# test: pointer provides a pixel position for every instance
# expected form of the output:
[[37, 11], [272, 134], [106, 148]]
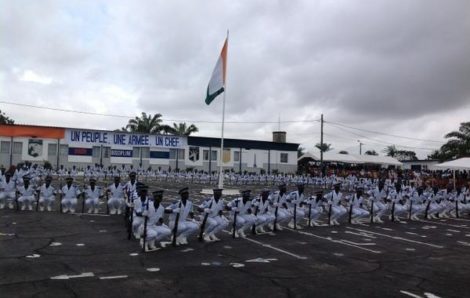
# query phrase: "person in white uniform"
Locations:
[[186, 226], [334, 200], [27, 194], [358, 211], [314, 208], [157, 230], [281, 212], [46, 195], [116, 201], [377, 199], [7, 191], [92, 196], [244, 217], [69, 192], [295, 200], [262, 211], [215, 221]]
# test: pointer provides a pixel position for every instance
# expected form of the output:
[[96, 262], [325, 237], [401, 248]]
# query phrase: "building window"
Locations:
[[145, 152], [64, 150], [96, 152], [17, 147], [284, 158], [52, 150], [106, 152], [173, 153], [136, 152], [5, 147], [214, 155], [205, 154], [236, 156]]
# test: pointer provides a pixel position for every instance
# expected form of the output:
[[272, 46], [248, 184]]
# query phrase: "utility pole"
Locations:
[[321, 143], [360, 147]]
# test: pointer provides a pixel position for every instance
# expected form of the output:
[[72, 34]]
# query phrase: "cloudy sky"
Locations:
[[401, 68]]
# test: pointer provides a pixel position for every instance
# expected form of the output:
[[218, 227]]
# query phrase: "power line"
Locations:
[[385, 134], [163, 119], [382, 142]]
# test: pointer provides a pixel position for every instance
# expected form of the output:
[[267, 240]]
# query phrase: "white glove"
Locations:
[[255, 203], [145, 213], [176, 210], [235, 209], [207, 210], [276, 204]]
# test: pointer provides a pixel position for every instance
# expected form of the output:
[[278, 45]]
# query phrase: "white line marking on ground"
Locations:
[[237, 265], [430, 295], [113, 277], [102, 231], [80, 244], [33, 256], [133, 254], [260, 260], [361, 234], [91, 214], [449, 234], [386, 229], [55, 244], [187, 249], [398, 238], [64, 276], [410, 249], [445, 224], [153, 269], [464, 243], [359, 244], [7, 234], [410, 294], [412, 233], [453, 231], [335, 241], [272, 247], [338, 254]]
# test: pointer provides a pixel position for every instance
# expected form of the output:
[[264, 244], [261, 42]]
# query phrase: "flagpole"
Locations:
[[221, 170]]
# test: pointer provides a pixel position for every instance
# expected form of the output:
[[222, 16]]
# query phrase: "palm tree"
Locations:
[[371, 152], [391, 150], [324, 147], [181, 129], [343, 152], [459, 143], [300, 151], [145, 124]]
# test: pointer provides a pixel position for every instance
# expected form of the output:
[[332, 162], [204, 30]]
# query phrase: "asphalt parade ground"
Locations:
[[48, 254]]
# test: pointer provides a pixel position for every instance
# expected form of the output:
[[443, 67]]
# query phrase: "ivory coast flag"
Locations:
[[217, 83]]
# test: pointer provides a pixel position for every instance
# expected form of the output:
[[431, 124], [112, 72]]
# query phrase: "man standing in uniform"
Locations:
[[242, 207]]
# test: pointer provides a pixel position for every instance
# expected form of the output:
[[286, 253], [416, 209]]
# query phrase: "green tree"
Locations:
[[457, 146], [406, 155], [371, 152], [343, 152], [391, 150], [145, 124], [181, 129], [4, 119], [300, 151], [324, 147]]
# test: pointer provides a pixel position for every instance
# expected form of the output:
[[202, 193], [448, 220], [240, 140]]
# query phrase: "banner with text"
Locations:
[[112, 138]]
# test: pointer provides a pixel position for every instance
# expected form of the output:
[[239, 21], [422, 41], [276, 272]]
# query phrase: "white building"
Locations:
[[81, 147]]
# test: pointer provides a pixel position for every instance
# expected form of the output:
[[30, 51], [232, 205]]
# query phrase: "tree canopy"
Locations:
[[148, 123], [4, 119], [458, 144]]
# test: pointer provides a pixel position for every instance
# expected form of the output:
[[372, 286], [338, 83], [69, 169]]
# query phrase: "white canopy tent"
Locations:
[[354, 159], [458, 164], [455, 165]]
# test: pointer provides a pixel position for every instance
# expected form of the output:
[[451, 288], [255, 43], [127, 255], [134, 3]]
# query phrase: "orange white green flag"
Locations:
[[217, 82]]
